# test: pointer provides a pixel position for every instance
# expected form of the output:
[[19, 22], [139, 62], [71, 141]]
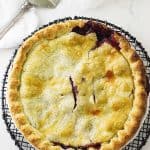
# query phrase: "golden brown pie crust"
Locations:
[[51, 32]]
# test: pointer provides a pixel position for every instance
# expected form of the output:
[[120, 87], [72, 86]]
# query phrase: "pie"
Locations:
[[77, 84]]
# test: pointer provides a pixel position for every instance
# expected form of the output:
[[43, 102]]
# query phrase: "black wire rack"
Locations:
[[144, 132]]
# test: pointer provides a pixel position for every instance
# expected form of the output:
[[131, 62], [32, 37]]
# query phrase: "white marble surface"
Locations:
[[132, 15]]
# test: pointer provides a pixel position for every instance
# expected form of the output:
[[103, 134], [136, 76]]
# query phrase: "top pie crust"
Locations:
[[66, 93]]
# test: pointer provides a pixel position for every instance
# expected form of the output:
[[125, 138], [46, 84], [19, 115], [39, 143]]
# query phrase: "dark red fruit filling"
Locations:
[[103, 34], [85, 147]]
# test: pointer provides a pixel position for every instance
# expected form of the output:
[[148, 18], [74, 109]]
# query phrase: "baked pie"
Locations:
[[77, 84]]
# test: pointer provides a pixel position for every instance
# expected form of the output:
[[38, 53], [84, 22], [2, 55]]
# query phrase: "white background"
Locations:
[[132, 15]]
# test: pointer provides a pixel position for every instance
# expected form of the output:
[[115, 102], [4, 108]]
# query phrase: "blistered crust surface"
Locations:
[[109, 86]]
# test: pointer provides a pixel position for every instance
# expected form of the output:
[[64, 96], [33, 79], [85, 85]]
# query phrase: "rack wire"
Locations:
[[144, 132]]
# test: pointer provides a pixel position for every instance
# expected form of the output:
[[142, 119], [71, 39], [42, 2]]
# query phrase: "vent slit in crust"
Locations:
[[74, 92]]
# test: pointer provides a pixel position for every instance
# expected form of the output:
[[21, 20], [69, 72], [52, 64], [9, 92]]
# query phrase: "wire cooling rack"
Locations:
[[144, 132]]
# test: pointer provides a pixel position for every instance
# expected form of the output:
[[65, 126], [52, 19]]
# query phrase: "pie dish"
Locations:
[[77, 84]]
